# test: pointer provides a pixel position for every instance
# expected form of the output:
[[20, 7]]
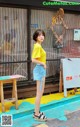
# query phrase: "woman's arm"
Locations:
[[38, 62]]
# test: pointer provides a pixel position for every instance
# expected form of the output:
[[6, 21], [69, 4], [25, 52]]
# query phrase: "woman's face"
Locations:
[[40, 38]]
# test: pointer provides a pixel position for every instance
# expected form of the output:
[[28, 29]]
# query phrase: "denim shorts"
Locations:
[[39, 72]]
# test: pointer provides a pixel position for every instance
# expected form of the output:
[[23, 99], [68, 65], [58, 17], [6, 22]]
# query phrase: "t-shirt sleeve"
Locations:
[[36, 52]]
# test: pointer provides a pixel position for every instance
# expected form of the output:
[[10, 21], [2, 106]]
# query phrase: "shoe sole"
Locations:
[[41, 120]]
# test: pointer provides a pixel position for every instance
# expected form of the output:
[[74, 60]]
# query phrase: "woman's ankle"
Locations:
[[36, 113]]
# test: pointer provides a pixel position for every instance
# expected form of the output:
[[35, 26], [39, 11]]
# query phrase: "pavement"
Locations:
[[73, 120], [61, 112]]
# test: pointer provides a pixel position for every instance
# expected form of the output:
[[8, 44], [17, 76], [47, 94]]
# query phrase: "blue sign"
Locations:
[[34, 25]]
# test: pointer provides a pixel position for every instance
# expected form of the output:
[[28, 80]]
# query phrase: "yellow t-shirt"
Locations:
[[39, 53]]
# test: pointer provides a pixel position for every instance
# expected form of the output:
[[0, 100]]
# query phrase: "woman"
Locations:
[[39, 71]]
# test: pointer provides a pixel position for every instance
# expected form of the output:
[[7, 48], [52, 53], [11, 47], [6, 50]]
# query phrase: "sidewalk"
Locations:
[[53, 105]]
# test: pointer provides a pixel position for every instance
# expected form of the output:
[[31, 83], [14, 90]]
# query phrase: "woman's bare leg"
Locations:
[[39, 93]]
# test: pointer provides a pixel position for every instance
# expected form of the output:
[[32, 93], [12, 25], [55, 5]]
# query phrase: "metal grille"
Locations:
[[42, 19], [13, 41], [71, 47]]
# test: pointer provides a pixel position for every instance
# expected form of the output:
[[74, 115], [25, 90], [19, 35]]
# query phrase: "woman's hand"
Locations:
[[44, 65]]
